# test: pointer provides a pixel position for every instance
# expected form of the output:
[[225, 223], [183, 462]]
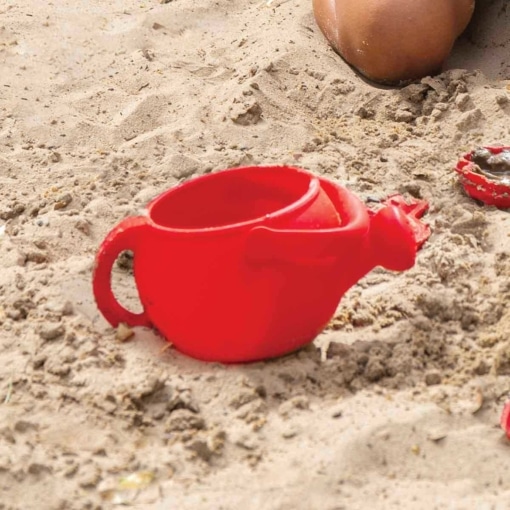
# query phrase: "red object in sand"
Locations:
[[251, 263], [505, 419], [478, 186], [413, 211]]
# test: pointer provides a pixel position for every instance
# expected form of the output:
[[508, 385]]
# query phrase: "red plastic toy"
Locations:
[[251, 263], [479, 187], [505, 419]]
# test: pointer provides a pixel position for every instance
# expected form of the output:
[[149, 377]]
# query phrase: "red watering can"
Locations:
[[251, 263]]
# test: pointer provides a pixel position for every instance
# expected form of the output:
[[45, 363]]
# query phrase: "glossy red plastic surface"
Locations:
[[480, 187], [413, 212], [505, 419], [253, 272]]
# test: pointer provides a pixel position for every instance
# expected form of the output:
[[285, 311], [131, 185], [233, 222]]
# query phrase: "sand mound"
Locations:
[[106, 104]]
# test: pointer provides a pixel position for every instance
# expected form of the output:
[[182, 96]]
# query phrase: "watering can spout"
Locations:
[[366, 239], [394, 236]]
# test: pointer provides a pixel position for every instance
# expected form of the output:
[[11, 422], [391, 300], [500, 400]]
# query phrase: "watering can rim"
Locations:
[[314, 188]]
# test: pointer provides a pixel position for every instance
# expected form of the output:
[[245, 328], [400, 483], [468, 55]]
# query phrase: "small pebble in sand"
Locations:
[[246, 441], [55, 157], [89, 476], [123, 332], [37, 469], [337, 412], [23, 426], [502, 99], [51, 330], [201, 448], [63, 201], [83, 226], [59, 307], [37, 257], [182, 419], [436, 435], [433, 377], [290, 432]]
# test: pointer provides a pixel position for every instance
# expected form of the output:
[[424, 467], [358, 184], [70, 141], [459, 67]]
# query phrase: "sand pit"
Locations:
[[396, 405], [485, 44]]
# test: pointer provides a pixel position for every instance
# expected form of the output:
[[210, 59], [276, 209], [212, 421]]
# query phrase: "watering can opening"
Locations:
[[238, 196]]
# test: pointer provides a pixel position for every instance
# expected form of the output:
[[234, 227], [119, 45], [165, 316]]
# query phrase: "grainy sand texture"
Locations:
[[104, 104]]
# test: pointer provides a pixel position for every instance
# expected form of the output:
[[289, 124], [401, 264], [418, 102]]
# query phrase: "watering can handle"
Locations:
[[123, 237]]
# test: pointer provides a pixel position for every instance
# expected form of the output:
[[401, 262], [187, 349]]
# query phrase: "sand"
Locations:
[[105, 104]]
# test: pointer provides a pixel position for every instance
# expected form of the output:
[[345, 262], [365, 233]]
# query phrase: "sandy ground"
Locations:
[[105, 104]]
